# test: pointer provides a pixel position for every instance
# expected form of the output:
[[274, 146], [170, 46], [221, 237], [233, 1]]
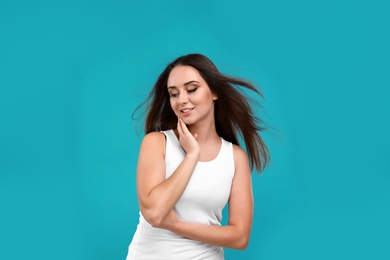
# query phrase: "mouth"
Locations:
[[186, 110]]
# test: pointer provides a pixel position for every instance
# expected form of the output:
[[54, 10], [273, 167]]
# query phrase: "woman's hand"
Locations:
[[187, 140]]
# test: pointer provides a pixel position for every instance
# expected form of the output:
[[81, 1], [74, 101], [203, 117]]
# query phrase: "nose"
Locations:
[[183, 98]]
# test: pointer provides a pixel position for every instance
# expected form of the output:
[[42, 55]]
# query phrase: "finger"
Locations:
[[184, 127], [179, 127], [178, 124]]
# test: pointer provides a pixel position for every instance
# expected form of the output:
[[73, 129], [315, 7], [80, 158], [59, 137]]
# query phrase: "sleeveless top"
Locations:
[[202, 201]]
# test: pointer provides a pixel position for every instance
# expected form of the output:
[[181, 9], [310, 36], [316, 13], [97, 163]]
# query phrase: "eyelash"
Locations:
[[188, 91]]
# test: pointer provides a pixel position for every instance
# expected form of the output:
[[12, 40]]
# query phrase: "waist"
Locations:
[[155, 243]]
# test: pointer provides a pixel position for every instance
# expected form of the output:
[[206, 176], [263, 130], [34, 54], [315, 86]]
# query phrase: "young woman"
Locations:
[[190, 164]]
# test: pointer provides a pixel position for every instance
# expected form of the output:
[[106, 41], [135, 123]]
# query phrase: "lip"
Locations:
[[186, 111]]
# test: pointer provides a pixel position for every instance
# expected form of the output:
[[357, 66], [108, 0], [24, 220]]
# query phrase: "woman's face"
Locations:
[[190, 96]]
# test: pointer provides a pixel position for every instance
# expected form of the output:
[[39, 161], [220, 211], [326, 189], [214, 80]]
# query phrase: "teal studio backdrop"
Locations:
[[72, 73]]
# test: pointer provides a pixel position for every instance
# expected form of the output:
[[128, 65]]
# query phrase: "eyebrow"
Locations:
[[185, 84]]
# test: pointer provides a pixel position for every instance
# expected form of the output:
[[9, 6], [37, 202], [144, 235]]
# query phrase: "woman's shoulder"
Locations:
[[154, 138], [239, 154], [238, 150]]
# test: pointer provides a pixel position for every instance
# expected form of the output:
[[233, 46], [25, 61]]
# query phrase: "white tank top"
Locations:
[[202, 201]]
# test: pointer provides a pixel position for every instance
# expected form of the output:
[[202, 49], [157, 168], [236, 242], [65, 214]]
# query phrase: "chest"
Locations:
[[210, 183]]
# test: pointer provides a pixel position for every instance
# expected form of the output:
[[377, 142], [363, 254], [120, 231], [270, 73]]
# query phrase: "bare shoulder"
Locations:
[[239, 154], [154, 137], [154, 141], [240, 159]]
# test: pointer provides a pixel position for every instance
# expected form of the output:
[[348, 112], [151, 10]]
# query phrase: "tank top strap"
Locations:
[[174, 153]]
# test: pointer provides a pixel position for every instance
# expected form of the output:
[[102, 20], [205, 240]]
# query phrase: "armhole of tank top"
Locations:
[[165, 134], [166, 143], [232, 156]]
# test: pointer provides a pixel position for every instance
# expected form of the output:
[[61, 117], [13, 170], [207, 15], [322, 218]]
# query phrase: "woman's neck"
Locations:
[[206, 133]]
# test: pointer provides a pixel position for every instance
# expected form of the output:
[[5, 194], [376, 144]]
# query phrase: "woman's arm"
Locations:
[[236, 233], [157, 196]]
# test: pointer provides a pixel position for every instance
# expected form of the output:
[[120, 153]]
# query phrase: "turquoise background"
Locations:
[[72, 72]]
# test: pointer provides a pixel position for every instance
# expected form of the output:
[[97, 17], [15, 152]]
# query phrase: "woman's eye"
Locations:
[[192, 90], [173, 94]]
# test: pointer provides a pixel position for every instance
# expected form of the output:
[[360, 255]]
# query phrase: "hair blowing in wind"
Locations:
[[234, 115]]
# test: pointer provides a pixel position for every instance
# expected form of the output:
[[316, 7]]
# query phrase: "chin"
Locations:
[[188, 121]]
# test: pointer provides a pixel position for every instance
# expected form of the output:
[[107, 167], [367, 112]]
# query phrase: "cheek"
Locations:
[[173, 105]]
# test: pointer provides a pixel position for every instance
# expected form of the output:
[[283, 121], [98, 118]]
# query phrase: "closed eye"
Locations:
[[192, 90]]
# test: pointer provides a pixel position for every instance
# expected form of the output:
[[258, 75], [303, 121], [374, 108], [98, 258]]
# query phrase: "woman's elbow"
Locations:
[[242, 242], [243, 245], [154, 221], [152, 217]]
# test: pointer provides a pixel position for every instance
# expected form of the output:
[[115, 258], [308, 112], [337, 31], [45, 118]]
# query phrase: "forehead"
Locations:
[[182, 74]]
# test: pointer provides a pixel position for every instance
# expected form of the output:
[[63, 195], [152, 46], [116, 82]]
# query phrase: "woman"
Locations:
[[190, 164]]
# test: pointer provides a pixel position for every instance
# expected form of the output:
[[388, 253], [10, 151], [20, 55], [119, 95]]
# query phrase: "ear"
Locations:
[[215, 97]]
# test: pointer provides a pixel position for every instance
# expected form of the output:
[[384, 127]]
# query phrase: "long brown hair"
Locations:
[[233, 114]]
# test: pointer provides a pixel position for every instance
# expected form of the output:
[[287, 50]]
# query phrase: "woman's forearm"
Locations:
[[224, 236], [165, 195]]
